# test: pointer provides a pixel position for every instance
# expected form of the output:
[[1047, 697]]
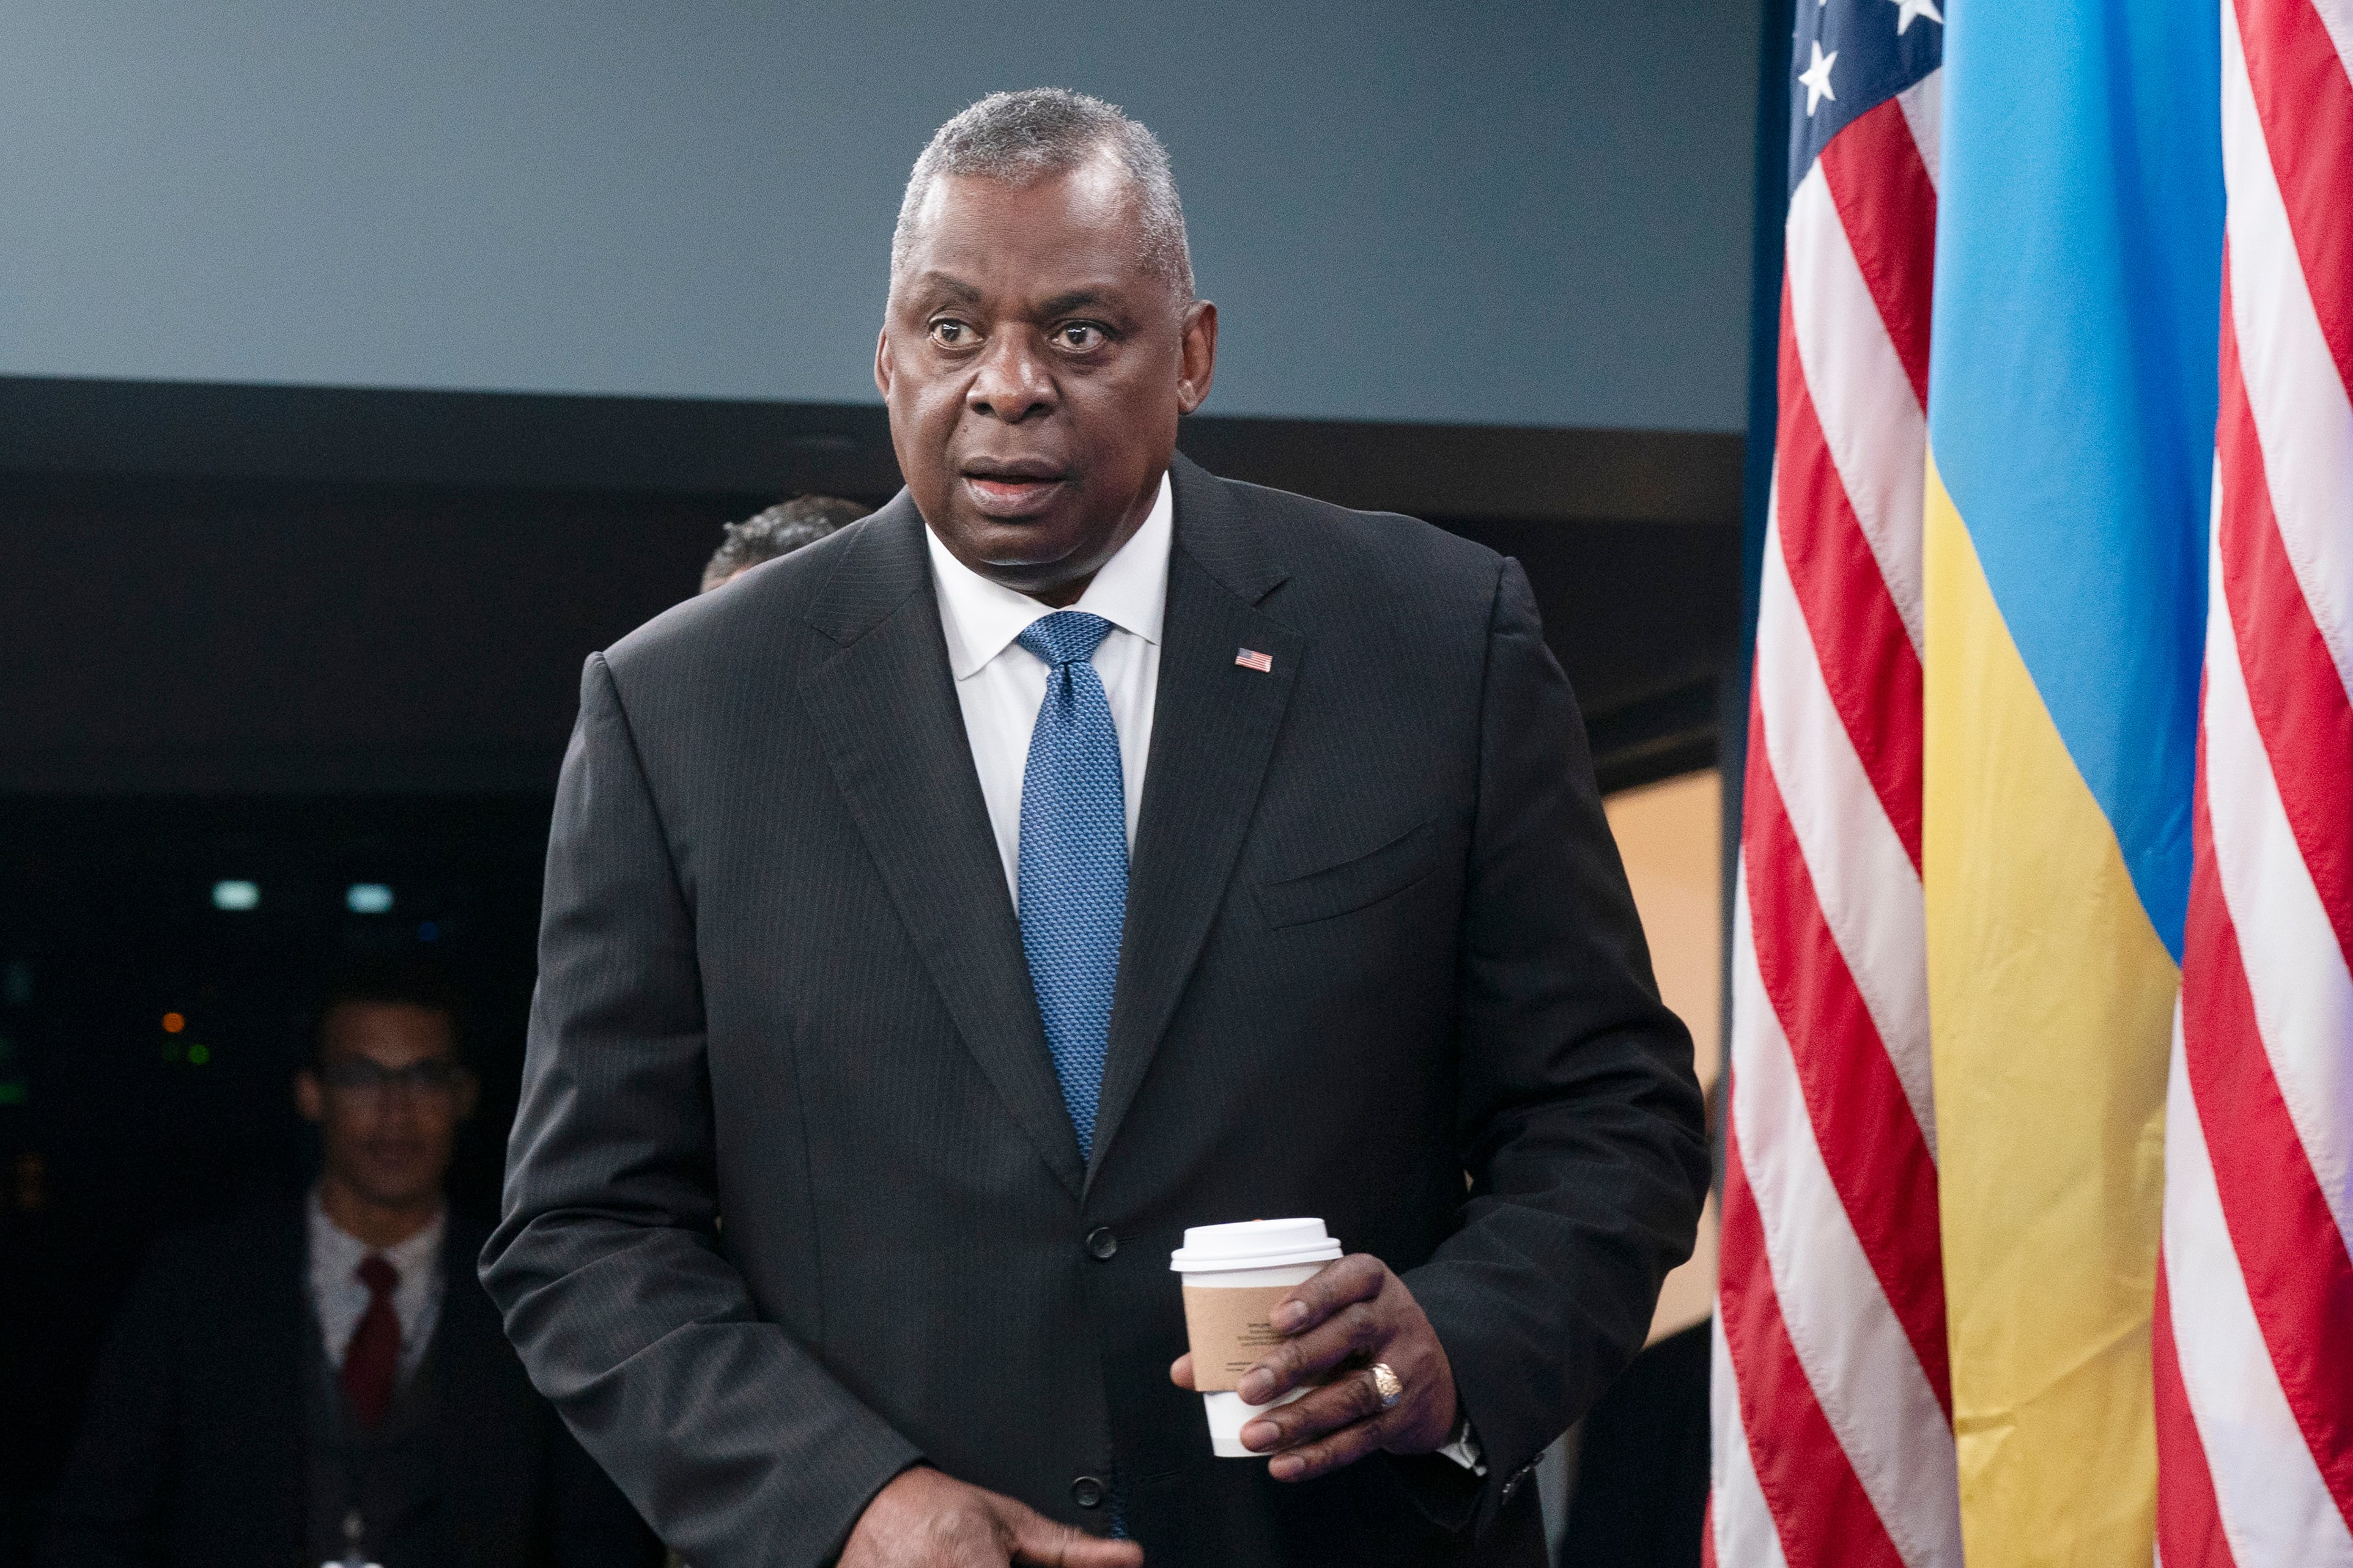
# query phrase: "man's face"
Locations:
[[387, 1094], [1035, 365]]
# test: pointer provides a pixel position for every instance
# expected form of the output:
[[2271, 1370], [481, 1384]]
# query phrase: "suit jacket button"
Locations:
[[1105, 1246], [1088, 1491]]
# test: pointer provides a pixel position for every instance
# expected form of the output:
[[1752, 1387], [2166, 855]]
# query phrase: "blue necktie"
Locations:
[[1073, 859]]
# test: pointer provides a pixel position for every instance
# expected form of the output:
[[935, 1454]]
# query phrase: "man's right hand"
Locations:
[[924, 1519]]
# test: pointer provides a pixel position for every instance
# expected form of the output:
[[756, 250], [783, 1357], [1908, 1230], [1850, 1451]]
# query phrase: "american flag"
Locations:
[[2254, 1331], [1833, 1424], [1251, 658]]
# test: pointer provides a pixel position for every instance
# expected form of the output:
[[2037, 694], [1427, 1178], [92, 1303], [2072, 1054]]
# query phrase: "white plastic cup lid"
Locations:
[[1253, 1244]]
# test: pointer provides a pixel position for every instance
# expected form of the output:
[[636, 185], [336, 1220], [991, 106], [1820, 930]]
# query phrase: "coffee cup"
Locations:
[[1233, 1275]]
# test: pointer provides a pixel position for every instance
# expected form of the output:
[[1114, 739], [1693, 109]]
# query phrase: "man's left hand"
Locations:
[[1351, 1314]]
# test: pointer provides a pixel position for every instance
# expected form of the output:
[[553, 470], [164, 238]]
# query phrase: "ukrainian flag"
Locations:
[[2071, 426]]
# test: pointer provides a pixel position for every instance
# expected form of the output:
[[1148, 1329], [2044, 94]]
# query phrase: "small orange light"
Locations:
[[173, 1023]]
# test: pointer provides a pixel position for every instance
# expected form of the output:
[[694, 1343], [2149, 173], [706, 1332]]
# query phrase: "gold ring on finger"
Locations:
[[1387, 1385]]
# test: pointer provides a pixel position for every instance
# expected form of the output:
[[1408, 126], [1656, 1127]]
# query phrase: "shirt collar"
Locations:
[[981, 618], [343, 1252]]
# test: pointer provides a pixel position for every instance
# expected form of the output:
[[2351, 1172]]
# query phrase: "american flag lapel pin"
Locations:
[[1251, 658]]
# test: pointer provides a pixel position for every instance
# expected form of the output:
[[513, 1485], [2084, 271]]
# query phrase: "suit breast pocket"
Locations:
[[1351, 885]]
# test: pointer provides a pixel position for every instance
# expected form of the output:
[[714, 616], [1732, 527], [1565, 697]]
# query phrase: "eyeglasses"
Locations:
[[433, 1075]]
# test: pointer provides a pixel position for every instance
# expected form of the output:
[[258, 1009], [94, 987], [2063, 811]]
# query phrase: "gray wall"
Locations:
[[1501, 214]]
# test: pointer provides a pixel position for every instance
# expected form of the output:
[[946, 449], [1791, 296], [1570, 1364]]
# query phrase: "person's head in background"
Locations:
[[388, 1089], [779, 530]]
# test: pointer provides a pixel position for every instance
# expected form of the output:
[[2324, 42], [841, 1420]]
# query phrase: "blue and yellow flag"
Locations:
[[2071, 424]]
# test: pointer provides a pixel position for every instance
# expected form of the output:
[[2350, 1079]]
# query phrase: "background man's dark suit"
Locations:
[[192, 1452], [1378, 936]]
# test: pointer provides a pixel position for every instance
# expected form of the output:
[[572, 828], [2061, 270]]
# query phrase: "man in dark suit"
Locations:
[[307, 1381], [1079, 849]]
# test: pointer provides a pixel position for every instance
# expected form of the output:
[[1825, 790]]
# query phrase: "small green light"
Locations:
[[198, 1054], [14, 1093]]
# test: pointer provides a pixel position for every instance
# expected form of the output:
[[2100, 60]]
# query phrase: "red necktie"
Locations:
[[372, 1362]]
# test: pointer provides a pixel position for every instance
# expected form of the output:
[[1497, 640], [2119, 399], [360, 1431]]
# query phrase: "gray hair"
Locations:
[[1023, 136]]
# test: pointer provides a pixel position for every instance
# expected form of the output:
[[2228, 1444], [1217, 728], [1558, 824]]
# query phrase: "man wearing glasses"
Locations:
[[327, 1383]]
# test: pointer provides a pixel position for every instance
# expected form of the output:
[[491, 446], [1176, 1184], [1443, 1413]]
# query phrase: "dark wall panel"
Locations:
[[175, 636]]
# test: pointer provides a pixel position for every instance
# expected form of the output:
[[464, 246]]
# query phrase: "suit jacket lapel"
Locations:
[[1213, 727], [886, 705], [269, 1417]]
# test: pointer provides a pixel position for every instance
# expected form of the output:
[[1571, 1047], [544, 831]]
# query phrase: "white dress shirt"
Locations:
[[340, 1299], [1000, 685]]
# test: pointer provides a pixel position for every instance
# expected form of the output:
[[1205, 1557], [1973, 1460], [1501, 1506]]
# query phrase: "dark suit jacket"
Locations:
[[191, 1450], [1378, 937]]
